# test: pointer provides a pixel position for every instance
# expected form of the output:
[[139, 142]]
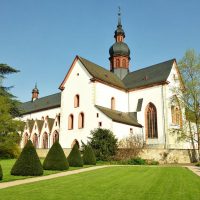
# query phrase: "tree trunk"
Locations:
[[194, 153]]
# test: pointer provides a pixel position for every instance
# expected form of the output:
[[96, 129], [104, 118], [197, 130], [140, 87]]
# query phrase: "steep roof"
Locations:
[[47, 102], [30, 124], [39, 124], [101, 73], [121, 117], [150, 75], [50, 122]]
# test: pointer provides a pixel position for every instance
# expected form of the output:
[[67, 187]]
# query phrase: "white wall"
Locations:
[[123, 130], [104, 93], [82, 86], [155, 96]]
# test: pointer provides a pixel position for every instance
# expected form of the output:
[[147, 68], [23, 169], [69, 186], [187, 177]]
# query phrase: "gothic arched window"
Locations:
[[55, 136], [151, 121], [76, 101], [70, 122], [45, 140], [25, 138], [75, 142], [117, 62], [113, 103], [124, 62], [176, 115], [35, 140], [81, 120]]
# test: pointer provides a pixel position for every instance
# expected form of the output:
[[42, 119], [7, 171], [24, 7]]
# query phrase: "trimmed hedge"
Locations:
[[89, 156], [74, 158], [28, 163], [1, 173], [55, 159]]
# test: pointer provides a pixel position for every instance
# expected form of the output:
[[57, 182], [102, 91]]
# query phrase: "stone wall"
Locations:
[[167, 155], [161, 155], [43, 152]]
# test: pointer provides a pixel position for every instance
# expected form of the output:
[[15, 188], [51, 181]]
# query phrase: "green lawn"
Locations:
[[114, 183], [7, 165]]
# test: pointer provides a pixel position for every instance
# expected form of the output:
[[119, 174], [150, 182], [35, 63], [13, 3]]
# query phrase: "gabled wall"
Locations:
[[104, 93], [153, 95]]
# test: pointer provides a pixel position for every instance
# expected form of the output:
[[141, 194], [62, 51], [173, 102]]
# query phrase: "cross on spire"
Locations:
[[119, 17]]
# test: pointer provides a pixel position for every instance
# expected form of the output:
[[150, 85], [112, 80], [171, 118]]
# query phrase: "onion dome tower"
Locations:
[[35, 93], [119, 52]]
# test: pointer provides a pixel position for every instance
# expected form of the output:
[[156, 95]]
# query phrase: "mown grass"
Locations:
[[114, 183], [8, 163]]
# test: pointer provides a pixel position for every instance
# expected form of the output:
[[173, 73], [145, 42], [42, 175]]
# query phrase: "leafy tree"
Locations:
[[1, 173], [103, 143], [55, 159], [9, 109], [89, 156], [74, 158], [28, 163], [189, 98]]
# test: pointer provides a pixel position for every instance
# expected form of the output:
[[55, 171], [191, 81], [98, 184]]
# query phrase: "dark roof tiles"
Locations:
[[102, 74], [42, 103], [121, 117], [150, 75]]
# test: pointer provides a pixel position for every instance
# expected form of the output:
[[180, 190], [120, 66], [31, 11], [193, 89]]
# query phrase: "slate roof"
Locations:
[[50, 122], [150, 75], [51, 101], [101, 73], [117, 116], [30, 124], [40, 124]]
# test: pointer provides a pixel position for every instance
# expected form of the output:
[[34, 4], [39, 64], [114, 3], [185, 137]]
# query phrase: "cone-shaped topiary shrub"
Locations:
[[1, 173], [74, 158], [28, 163], [88, 156], [55, 159]]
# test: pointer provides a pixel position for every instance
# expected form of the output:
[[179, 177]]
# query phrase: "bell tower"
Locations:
[[35, 93], [119, 52]]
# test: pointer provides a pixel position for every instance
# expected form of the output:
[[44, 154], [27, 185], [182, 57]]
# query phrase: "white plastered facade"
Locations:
[[78, 82]]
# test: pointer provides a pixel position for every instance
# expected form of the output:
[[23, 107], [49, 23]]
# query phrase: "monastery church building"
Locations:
[[138, 102]]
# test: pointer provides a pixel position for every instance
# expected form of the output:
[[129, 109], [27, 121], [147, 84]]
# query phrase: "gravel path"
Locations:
[[40, 178], [194, 169]]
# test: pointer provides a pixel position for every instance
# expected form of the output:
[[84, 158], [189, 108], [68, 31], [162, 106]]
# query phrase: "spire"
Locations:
[[119, 18], [119, 33], [119, 52], [35, 93]]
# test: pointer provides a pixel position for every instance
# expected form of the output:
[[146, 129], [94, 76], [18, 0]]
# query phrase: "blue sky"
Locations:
[[42, 37]]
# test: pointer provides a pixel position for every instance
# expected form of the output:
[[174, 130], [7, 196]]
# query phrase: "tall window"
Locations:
[[75, 142], [124, 62], [81, 120], [76, 101], [55, 136], [70, 122], [45, 140], [176, 115], [113, 103], [117, 62], [35, 140], [25, 138], [151, 121]]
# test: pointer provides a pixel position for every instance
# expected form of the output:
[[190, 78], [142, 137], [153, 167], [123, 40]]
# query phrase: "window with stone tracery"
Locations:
[[151, 121]]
